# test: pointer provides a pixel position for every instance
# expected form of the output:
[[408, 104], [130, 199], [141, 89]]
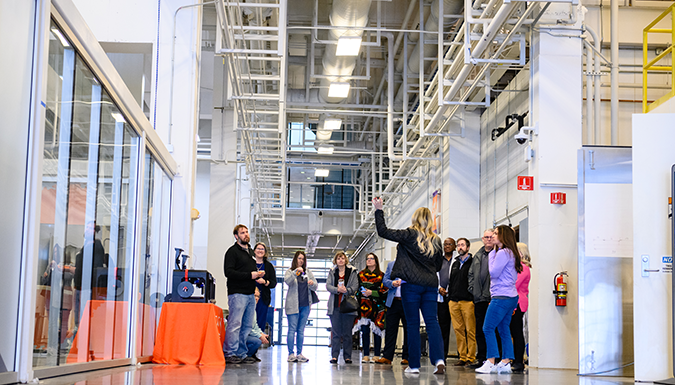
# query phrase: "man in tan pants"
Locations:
[[461, 304]]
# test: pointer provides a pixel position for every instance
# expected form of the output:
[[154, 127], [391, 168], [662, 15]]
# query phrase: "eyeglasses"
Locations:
[[370, 259], [488, 237]]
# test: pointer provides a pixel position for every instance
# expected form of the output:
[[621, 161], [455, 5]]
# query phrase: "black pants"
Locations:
[[479, 310], [394, 316], [518, 338], [444, 322]]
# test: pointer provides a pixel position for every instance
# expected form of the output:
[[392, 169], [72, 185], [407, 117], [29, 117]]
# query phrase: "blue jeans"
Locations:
[[498, 317], [416, 298], [296, 329], [239, 324], [365, 339], [261, 314], [252, 345]]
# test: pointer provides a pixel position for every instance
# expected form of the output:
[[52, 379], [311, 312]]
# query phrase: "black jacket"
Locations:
[[458, 287], [411, 264], [271, 276], [239, 264]]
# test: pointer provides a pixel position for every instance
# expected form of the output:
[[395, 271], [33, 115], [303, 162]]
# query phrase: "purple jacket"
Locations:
[[503, 273]]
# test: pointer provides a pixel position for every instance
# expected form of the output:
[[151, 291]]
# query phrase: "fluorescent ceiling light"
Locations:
[[348, 46], [338, 90], [60, 36], [321, 172], [325, 150], [332, 124], [306, 206], [118, 117]]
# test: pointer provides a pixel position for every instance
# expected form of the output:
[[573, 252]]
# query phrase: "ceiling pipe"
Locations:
[[596, 86], [614, 36], [451, 7]]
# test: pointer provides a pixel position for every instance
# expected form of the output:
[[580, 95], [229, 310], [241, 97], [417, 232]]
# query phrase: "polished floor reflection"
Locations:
[[318, 371]]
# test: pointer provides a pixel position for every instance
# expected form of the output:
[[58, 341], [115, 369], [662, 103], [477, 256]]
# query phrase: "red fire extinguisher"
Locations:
[[560, 288]]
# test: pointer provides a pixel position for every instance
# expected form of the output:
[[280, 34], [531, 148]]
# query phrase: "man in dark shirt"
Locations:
[[443, 279], [461, 304], [241, 273]]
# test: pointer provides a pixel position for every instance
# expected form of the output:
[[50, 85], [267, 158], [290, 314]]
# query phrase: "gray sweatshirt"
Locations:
[[291, 280]]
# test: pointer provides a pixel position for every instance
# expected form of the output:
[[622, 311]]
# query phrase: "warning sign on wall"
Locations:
[[526, 183]]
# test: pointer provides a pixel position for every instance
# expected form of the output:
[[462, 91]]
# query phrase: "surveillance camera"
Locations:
[[521, 137], [320, 214]]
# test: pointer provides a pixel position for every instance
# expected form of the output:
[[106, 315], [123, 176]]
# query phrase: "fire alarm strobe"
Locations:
[[526, 183], [558, 198]]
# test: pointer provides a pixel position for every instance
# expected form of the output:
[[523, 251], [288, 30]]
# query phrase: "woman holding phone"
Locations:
[[300, 283], [342, 282]]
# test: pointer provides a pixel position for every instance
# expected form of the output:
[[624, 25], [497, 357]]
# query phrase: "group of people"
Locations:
[[483, 295]]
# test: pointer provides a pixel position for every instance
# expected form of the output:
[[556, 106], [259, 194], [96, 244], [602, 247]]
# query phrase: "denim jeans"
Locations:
[[296, 329], [365, 339], [499, 316], [261, 314], [252, 345], [341, 332], [239, 324], [416, 298]]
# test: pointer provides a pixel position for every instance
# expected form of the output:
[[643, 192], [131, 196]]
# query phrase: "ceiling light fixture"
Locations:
[[348, 46], [338, 90], [325, 150], [332, 124], [321, 172]]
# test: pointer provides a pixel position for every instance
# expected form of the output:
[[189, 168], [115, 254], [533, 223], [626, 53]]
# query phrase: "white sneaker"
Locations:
[[504, 368], [440, 367], [301, 358], [366, 359], [487, 367], [410, 370], [292, 358]]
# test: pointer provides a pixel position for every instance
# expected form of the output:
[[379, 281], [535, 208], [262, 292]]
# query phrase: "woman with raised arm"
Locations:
[[301, 284], [419, 256]]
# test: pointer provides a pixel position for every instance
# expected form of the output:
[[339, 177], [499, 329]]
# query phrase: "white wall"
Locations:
[[653, 158], [201, 226]]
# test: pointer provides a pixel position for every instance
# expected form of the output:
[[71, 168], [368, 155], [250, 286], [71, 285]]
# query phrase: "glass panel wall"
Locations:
[[87, 224], [153, 278]]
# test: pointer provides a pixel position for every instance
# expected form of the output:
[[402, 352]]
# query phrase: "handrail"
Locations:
[[650, 65]]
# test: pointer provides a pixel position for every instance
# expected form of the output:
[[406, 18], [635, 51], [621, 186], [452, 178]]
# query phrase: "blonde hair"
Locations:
[[422, 222], [524, 253]]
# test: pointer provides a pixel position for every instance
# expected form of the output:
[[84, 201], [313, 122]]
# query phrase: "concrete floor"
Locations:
[[318, 371]]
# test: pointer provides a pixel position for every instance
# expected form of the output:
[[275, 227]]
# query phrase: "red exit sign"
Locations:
[[526, 183]]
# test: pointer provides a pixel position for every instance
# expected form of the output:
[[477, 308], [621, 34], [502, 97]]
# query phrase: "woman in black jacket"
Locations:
[[419, 256], [264, 284]]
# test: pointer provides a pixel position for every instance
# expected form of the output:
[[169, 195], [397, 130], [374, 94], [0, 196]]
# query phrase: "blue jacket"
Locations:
[[387, 281]]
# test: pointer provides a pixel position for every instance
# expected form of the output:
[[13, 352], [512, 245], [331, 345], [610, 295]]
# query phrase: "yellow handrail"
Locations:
[[650, 65]]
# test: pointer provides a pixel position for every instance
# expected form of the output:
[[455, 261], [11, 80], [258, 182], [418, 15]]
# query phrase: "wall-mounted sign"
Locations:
[[558, 198], [526, 183]]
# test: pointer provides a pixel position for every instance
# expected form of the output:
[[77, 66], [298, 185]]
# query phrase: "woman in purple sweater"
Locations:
[[504, 263]]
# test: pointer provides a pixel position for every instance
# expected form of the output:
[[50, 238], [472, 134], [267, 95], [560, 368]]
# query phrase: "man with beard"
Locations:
[[461, 304], [241, 273]]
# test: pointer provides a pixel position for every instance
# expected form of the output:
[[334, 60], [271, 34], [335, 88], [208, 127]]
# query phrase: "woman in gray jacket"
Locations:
[[342, 281], [300, 283]]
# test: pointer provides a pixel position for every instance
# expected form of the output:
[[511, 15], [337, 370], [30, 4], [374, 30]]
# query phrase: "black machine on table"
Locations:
[[191, 285]]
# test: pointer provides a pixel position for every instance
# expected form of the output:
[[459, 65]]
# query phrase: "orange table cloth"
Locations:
[[190, 333]]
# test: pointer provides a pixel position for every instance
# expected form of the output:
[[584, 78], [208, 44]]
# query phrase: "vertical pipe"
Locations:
[[614, 36], [589, 95], [644, 78]]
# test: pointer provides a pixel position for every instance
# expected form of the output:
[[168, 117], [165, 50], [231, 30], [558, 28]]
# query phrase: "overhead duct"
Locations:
[[450, 7], [345, 13]]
